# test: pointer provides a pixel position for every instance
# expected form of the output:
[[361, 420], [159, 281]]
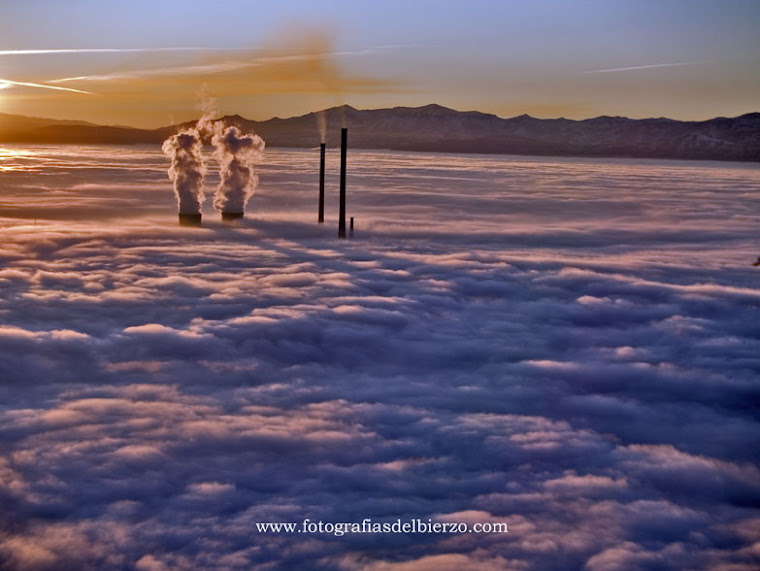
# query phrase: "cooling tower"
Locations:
[[231, 216], [193, 219]]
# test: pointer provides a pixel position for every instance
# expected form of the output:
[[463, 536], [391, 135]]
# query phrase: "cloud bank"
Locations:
[[569, 346]]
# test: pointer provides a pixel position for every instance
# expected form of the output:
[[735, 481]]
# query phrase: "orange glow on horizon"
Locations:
[[147, 88]]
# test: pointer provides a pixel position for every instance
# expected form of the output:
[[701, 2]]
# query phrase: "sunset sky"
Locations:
[[148, 63]]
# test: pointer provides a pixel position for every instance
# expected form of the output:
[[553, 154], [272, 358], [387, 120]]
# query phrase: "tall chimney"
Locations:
[[342, 216], [321, 183]]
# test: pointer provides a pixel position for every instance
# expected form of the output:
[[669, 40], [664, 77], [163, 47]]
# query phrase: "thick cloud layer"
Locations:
[[568, 346]]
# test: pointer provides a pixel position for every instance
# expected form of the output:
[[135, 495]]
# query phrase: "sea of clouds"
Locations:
[[570, 346]]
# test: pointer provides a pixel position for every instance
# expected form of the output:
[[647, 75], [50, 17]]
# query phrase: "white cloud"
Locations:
[[501, 347]]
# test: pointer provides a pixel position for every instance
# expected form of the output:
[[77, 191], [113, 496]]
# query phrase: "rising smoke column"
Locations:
[[187, 169], [185, 150], [237, 154], [322, 125]]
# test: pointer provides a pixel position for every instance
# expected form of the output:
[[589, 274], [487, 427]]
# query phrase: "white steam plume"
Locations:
[[206, 126], [237, 154], [185, 149], [322, 125], [187, 169]]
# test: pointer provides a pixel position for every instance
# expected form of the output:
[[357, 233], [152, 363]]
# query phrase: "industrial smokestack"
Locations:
[[342, 216], [321, 183], [231, 216]]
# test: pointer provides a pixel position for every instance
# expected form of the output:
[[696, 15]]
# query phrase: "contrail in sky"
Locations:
[[105, 50], [164, 71], [206, 69], [7, 82], [640, 67], [174, 49]]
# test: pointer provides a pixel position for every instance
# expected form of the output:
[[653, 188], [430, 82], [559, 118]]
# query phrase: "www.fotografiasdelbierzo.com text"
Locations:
[[411, 526]]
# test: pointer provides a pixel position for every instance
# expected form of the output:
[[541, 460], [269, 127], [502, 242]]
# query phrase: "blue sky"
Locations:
[[544, 57]]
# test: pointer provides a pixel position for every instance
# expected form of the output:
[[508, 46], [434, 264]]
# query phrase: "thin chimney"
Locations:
[[321, 183], [342, 217]]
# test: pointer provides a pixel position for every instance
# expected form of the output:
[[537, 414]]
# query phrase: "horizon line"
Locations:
[[89, 122]]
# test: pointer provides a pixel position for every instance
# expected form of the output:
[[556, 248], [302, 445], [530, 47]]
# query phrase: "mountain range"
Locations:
[[435, 128]]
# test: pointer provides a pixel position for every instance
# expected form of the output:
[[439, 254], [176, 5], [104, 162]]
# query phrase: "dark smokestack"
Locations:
[[231, 216], [342, 217], [193, 219], [321, 183]]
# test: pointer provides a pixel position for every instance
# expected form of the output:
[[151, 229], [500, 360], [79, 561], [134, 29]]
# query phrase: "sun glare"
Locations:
[[9, 156], [3, 85]]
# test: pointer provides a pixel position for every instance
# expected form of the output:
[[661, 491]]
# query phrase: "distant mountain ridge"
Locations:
[[435, 128]]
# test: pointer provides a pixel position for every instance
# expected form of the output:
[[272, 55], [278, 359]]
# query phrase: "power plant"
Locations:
[[237, 153]]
